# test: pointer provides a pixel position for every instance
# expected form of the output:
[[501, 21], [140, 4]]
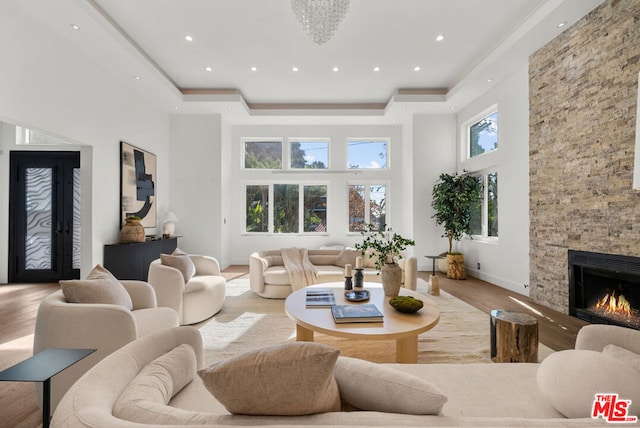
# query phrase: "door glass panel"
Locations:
[[39, 186], [75, 264]]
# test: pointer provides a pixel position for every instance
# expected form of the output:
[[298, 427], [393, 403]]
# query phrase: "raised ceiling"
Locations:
[[483, 42]]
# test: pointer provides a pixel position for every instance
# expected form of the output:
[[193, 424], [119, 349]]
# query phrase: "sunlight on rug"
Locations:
[[248, 321]]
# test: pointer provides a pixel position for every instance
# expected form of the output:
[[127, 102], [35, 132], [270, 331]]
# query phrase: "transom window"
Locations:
[[483, 135], [367, 154], [308, 154], [263, 154]]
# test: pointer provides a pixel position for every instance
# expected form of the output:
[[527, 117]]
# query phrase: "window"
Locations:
[[484, 216], [483, 135], [306, 154], [263, 154], [290, 214], [363, 154], [367, 204]]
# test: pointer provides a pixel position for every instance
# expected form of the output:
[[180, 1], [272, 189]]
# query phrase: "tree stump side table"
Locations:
[[514, 337]]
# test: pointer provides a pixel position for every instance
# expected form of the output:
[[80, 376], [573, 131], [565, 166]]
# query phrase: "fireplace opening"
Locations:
[[604, 288]]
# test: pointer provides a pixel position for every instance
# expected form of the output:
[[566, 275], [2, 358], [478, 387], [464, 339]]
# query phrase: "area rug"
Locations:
[[248, 321]]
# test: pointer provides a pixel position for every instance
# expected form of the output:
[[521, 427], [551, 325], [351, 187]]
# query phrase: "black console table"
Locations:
[[131, 261], [41, 368]]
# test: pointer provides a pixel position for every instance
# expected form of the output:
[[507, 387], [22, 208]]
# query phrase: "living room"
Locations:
[[576, 89]]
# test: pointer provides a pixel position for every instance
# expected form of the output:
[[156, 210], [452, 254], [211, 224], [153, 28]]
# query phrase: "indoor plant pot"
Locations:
[[455, 266], [386, 247]]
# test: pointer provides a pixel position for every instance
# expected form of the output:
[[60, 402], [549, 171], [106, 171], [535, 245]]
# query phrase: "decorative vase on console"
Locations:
[[132, 231]]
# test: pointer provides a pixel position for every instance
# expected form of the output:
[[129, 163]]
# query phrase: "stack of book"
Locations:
[[356, 313], [320, 298]]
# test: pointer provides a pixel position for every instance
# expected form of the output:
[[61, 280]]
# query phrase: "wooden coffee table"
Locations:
[[403, 328]]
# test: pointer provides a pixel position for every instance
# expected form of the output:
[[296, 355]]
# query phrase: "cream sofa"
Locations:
[[269, 278], [479, 395], [196, 300], [105, 327]]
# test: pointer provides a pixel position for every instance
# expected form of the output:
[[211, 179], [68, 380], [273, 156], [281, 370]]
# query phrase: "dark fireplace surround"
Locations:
[[604, 288]]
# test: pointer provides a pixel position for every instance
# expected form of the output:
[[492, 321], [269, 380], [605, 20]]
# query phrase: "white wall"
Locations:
[[48, 85], [506, 263], [434, 153], [196, 177]]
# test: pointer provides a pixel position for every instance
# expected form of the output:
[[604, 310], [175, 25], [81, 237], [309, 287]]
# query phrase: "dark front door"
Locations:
[[44, 216]]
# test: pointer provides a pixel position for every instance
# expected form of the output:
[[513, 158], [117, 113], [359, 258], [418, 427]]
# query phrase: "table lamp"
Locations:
[[168, 227]]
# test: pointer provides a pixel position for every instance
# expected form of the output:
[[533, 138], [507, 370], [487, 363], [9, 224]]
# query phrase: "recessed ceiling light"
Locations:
[[416, 68], [229, 107], [175, 107], [335, 69], [208, 68], [562, 24], [439, 38], [75, 27], [294, 69], [137, 77], [489, 80], [188, 38], [376, 68], [254, 68]]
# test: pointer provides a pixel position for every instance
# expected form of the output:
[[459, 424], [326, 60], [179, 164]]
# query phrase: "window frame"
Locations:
[[245, 140], [466, 134], [385, 140], [271, 207], [291, 140], [484, 236], [367, 199]]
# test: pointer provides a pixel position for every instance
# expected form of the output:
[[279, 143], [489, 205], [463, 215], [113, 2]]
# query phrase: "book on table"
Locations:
[[320, 298], [367, 312]]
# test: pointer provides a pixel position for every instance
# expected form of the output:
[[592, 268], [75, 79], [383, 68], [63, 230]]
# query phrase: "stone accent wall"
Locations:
[[582, 93]]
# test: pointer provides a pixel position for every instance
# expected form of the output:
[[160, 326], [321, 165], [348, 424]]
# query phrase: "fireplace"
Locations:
[[604, 288]]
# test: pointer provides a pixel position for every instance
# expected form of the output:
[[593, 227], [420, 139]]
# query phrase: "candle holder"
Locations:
[[358, 279], [348, 285]]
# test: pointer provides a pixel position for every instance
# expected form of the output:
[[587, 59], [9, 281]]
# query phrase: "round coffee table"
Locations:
[[403, 328]]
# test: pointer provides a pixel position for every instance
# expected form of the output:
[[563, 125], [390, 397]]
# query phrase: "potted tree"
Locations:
[[386, 248], [454, 195]]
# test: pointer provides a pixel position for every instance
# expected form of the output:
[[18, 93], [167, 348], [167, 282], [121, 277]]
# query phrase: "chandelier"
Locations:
[[320, 18]]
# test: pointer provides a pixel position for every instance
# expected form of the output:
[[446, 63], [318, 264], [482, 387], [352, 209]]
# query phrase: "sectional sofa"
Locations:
[[476, 395]]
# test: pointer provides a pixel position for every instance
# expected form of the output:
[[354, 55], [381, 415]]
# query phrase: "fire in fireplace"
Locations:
[[604, 288]]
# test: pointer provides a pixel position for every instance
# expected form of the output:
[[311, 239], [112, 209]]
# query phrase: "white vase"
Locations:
[[391, 279]]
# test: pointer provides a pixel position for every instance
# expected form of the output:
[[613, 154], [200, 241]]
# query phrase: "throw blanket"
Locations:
[[301, 271]]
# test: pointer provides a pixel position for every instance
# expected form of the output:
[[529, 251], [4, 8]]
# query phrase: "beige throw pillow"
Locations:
[[182, 262], [569, 381], [289, 379], [156, 384], [369, 386], [347, 257], [628, 357], [99, 287]]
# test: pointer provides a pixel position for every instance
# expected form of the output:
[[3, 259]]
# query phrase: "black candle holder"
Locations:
[[358, 279], [348, 285]]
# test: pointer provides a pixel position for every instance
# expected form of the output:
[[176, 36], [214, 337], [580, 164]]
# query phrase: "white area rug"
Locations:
[[248, 321]]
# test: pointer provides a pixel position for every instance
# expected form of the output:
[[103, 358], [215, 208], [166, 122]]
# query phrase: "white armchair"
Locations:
[[196, 300], [105, 327]]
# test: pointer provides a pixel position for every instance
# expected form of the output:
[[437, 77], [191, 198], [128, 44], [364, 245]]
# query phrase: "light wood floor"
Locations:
[[19, 306]]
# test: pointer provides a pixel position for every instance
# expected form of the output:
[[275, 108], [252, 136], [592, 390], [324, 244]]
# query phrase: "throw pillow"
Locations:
[[100, 286], [369, 386], [569, 381], [156, 383], [182, 262], [370, 258], [289, 379], [628, 357], [347, 257]]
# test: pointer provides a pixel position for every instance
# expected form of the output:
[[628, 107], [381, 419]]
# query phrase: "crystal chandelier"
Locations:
[[320, 18]]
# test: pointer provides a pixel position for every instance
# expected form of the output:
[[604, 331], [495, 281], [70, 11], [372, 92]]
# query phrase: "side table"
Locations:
[[514, 337], [434, 283], [41, 368]]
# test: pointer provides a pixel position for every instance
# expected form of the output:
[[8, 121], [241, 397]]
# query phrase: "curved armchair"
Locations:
[[104, 327], [196, 300]]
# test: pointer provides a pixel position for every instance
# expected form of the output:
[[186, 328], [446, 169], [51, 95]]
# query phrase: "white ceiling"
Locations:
[[483, 40]]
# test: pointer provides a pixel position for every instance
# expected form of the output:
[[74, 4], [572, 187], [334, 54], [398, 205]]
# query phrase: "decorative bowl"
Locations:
[[406, 304]]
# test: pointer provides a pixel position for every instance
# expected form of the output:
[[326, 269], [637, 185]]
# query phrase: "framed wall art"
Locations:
[[138, 185]]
